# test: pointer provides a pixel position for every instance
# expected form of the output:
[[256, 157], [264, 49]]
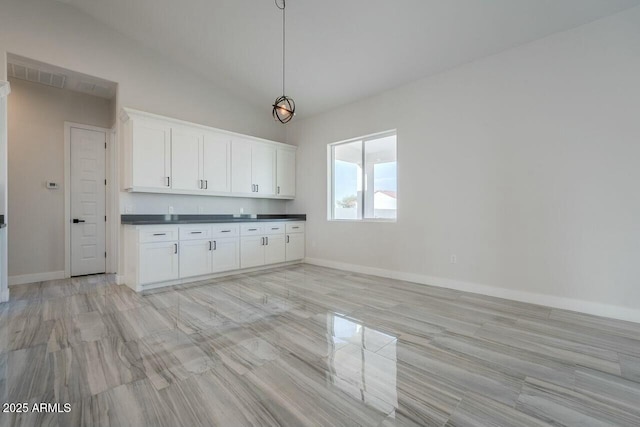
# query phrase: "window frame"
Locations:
[[331, 172]]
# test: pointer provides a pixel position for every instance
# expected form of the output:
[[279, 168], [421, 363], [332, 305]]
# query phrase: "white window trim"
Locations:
[[330, 172]]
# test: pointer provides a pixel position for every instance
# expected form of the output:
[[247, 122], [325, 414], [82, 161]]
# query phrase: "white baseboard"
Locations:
[[37, 277], [4, 295], [581, 306], [119, 279]]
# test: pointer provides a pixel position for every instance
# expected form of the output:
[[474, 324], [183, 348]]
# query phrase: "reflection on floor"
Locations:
[[305, 345]]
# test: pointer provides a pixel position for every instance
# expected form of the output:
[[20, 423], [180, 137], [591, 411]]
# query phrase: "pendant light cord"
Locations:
[[283, 40]]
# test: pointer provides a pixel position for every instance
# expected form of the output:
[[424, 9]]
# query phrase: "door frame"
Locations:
[[110, 205]]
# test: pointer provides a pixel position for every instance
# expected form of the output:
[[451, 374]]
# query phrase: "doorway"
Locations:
[[87, 199]]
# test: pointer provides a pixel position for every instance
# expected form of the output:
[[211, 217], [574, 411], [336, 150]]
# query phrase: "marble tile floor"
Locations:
[[304, 345]]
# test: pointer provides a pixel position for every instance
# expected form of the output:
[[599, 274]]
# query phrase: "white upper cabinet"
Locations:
[[163, 155], [186, 145], [286, 172], [253, 167], [216, 162], [241, 167], [263, 168], [151, 154]]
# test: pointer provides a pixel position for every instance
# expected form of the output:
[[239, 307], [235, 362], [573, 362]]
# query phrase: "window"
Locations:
[[363, 178]]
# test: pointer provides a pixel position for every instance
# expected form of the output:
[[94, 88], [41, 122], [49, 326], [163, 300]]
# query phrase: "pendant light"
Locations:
[[283, 108]]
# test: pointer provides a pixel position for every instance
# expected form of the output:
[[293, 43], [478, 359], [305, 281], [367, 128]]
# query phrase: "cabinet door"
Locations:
[[216, 158], [274, 251], [286, 172], [241, 166], [226, 254], [195, 258], [263, 167], [151, 161], [158, 262], [295, 246], [251, 251], [185, 159]]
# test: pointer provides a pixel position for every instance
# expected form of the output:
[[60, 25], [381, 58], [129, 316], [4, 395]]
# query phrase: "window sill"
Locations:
[[380, 220]]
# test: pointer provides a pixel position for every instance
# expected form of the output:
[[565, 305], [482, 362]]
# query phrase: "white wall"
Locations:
[[36, 155], [4, 284], [57, 34], [524, 164], [54, 33]]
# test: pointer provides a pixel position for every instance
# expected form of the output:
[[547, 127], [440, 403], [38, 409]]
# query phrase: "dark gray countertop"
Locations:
[[200, 219]]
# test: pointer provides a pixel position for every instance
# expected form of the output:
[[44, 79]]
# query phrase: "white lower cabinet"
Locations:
[[225, 255], [262, 243], [274, 249], [295, 246], [251, 251], [160, 255], [158, 262], [195, 258]]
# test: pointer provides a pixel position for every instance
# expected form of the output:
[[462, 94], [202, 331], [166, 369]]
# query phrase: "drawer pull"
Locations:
[[196, 232], [225, 231], [253, 229], [295, 228], [159, 234], [275, 228]]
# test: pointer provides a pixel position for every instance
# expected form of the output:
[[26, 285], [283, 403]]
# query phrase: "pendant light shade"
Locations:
[[284, 108]]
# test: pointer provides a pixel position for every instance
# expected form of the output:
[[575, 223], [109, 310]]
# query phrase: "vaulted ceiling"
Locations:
[[337, 51]]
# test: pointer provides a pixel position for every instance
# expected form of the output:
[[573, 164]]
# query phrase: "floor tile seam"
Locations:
[[453, 412]]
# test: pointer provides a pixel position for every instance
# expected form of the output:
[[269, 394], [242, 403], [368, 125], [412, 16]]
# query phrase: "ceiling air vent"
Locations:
[[36, 76]]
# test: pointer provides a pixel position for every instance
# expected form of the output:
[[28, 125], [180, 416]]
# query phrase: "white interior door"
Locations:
[[87, 201]]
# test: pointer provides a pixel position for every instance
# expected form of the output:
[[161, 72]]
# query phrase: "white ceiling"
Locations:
[[337, 51]]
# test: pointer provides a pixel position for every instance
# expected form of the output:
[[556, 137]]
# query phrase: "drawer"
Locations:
[[295, 227], [274, 228], [157, 233], [251, 229], [195, 231], [225, 230]]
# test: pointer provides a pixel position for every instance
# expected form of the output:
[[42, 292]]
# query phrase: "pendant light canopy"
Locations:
[[283, 108]]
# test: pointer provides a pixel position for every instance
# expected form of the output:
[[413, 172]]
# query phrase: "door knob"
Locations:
[[76, 220]]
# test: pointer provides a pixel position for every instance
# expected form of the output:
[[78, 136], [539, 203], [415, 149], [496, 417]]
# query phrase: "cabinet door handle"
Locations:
[[159, 234], [215, 245], [210, 246], [267, 239], [262, 241], [253, 188], [278, 189], [287, 238], [168, 181], [257, 188], [206, 184], [175, 248], [200, 184]]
